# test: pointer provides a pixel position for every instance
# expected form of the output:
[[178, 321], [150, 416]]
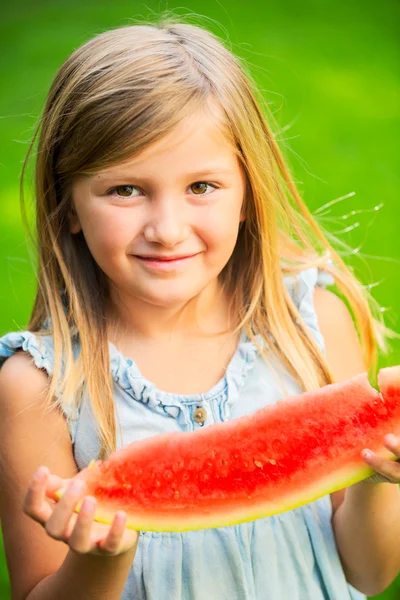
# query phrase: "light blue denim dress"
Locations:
[[291, 556]]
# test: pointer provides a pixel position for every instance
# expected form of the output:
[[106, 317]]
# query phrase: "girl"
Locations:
[[180, 284]]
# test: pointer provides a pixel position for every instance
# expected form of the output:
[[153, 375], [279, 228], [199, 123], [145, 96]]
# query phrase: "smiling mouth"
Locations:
[[163, 264], [165, 258]]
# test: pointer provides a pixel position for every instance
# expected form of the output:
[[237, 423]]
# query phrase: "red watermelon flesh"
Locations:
[[281, 457]]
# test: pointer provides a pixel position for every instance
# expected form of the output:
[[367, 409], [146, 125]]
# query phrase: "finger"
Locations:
[[112, 543], [35, 504], [57, 525], [387, 468], [54, 484], [80, 539], [392, 442], [57, 484], [87, 472]]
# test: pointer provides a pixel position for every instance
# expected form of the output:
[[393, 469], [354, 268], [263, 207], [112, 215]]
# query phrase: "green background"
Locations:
[[330, 74]]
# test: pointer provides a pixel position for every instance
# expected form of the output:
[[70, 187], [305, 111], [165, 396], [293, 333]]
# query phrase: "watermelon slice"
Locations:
[[279, 458]]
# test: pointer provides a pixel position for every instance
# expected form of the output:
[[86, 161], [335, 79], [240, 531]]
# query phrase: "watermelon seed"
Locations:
[[272, 461], [258, 464], [176, 495], [157, 483], [224, 462]]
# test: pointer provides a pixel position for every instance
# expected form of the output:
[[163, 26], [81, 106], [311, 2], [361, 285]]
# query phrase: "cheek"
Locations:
[[220, 230], [106, 234]]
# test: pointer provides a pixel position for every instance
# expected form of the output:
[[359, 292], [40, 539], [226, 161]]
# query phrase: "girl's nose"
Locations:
[[167, 224]]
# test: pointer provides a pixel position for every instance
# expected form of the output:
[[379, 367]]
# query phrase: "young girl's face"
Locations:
[[182, 196]]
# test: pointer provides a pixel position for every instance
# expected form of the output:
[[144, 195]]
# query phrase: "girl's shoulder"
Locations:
[[26, 362], [38, 346]]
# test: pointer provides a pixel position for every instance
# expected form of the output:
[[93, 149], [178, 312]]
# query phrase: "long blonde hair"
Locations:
[[114, 96]]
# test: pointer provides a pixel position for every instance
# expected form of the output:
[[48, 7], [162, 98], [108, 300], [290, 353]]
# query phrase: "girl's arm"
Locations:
[[366, 519], [86, 576], [40, 567], [367, 532]]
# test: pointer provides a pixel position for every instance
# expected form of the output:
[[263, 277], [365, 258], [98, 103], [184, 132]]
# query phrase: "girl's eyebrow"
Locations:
[[127, 176]]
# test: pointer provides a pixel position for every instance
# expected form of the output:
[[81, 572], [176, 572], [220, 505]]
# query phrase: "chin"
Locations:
[[169, 298]]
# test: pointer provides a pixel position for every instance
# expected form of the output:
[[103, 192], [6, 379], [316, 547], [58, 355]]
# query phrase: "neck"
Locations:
[[204, 315]]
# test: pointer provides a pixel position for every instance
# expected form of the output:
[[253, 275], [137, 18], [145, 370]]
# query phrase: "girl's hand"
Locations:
[[79, 531], [387, 471]]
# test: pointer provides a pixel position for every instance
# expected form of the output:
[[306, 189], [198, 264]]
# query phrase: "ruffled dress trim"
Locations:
[[126, 373], [40, 348]]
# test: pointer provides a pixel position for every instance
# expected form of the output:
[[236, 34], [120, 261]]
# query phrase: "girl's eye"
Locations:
[[203, 183], [123, 190]]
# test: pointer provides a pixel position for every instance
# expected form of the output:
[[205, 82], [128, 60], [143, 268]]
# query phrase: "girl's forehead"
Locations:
[[206, 169], [199, 146]]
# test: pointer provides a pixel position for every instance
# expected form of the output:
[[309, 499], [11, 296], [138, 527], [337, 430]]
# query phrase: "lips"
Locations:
[[165, 258], [163, 264]]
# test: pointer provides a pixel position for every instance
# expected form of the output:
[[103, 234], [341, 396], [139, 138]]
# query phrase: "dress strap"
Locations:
[[301, 288]]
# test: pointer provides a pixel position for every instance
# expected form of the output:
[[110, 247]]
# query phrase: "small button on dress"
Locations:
[[200, 415]]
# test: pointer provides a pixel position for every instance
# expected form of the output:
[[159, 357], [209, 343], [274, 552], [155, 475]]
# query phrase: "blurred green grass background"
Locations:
[[330, 74]]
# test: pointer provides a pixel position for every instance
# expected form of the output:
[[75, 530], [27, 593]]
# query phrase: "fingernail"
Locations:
[[367, 454], [88, 504], [40, 473], [391, 439], [120, 516]]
